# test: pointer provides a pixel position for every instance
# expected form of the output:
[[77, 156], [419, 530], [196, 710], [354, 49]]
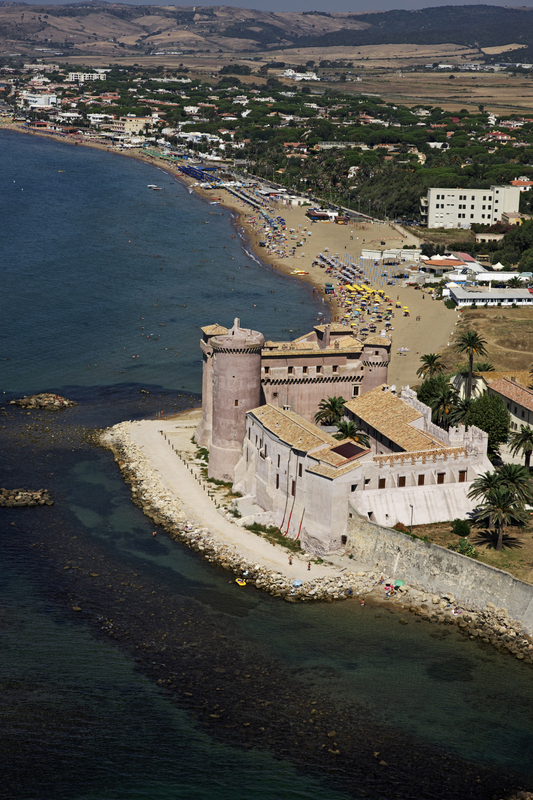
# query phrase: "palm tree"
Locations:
[[459, 413], [483, 366], [473, 344], [501, 508], [351, 430], [522, 442], [431, 365], [484, 484], [518, 480], [515, 282], [330, 411], [443, 403]]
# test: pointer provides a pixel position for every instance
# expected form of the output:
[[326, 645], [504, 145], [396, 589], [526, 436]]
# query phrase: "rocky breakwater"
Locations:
[[45, 400], [18, 498], [151, 495], [491, 625]]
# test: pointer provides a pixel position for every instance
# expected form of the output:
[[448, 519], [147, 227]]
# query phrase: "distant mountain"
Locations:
[[481, 26], [100, 28]]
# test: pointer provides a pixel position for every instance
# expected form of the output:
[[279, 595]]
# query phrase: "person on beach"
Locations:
[[154, 534], [290, 561], [309, 566]]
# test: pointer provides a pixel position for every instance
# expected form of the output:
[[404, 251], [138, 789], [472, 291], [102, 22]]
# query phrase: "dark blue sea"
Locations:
[[131, 669]]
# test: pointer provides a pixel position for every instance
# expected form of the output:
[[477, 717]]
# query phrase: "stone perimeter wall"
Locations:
[[438, 570]]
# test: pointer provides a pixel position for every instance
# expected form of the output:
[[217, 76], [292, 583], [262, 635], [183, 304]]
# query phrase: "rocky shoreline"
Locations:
[[43, 400], [20, 498], [491, 625]]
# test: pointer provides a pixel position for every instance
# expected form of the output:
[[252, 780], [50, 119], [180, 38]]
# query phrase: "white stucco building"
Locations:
[[459, 208], [310, 483], [81, 77]]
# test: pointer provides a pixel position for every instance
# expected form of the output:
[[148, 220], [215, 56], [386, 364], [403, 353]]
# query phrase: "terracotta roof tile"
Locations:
[[292, 429], [382, 340], [513, 391], [393, 418]]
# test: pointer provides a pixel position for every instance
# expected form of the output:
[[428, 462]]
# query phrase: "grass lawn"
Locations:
[[516, 556]]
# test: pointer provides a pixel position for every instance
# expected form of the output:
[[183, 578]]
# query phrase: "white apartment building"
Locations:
[[38, 100], [459, 208], [81, 77]]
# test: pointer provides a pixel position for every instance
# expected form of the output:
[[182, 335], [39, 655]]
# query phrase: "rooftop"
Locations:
[[393, 418], [214, 330], [513, 391], [292, 429]]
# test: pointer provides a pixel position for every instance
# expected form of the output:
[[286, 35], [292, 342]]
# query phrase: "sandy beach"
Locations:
[[410, 337]]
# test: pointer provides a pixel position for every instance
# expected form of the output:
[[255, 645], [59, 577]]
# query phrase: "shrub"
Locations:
[[464, 547], [461, 527]]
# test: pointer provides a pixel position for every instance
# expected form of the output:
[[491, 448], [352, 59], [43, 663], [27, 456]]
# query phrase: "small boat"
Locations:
[[157, 188], [151, 186], [240, 582]]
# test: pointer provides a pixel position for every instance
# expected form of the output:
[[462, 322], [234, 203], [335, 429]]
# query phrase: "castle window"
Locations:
[[462, 476], [249, 433], [293, 488], [319, 370], [376, 352], [279, 460], [299, 470], [354, 487], [355, 391], [236, 403], [305, 370], [291, 370], [421, 479], [401, 481], [274, 394], [267, 370], [381, 484], [440, 477], [265, 451], [367, 481], [277, 481], [335, 368]]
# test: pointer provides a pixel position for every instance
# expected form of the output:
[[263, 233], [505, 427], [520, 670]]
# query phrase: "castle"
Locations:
[[259, 400], [241, 371]]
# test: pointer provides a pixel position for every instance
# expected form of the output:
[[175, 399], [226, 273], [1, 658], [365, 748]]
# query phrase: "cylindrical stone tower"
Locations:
[[236, 375]]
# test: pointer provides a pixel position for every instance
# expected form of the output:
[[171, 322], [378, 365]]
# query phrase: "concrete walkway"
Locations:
[[201, 510]]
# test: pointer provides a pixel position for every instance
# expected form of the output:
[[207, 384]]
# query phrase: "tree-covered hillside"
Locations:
[[473, 26]]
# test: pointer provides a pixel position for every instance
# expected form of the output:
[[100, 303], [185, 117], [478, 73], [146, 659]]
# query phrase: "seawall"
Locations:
[[437, 570]]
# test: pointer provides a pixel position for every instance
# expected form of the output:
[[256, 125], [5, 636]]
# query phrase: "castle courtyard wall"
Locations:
[[438, 570]]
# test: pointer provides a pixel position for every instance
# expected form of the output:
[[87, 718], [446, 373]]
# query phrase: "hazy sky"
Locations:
[[316, 5]]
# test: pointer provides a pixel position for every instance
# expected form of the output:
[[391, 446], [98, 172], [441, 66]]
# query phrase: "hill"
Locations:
[[103, 29]]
